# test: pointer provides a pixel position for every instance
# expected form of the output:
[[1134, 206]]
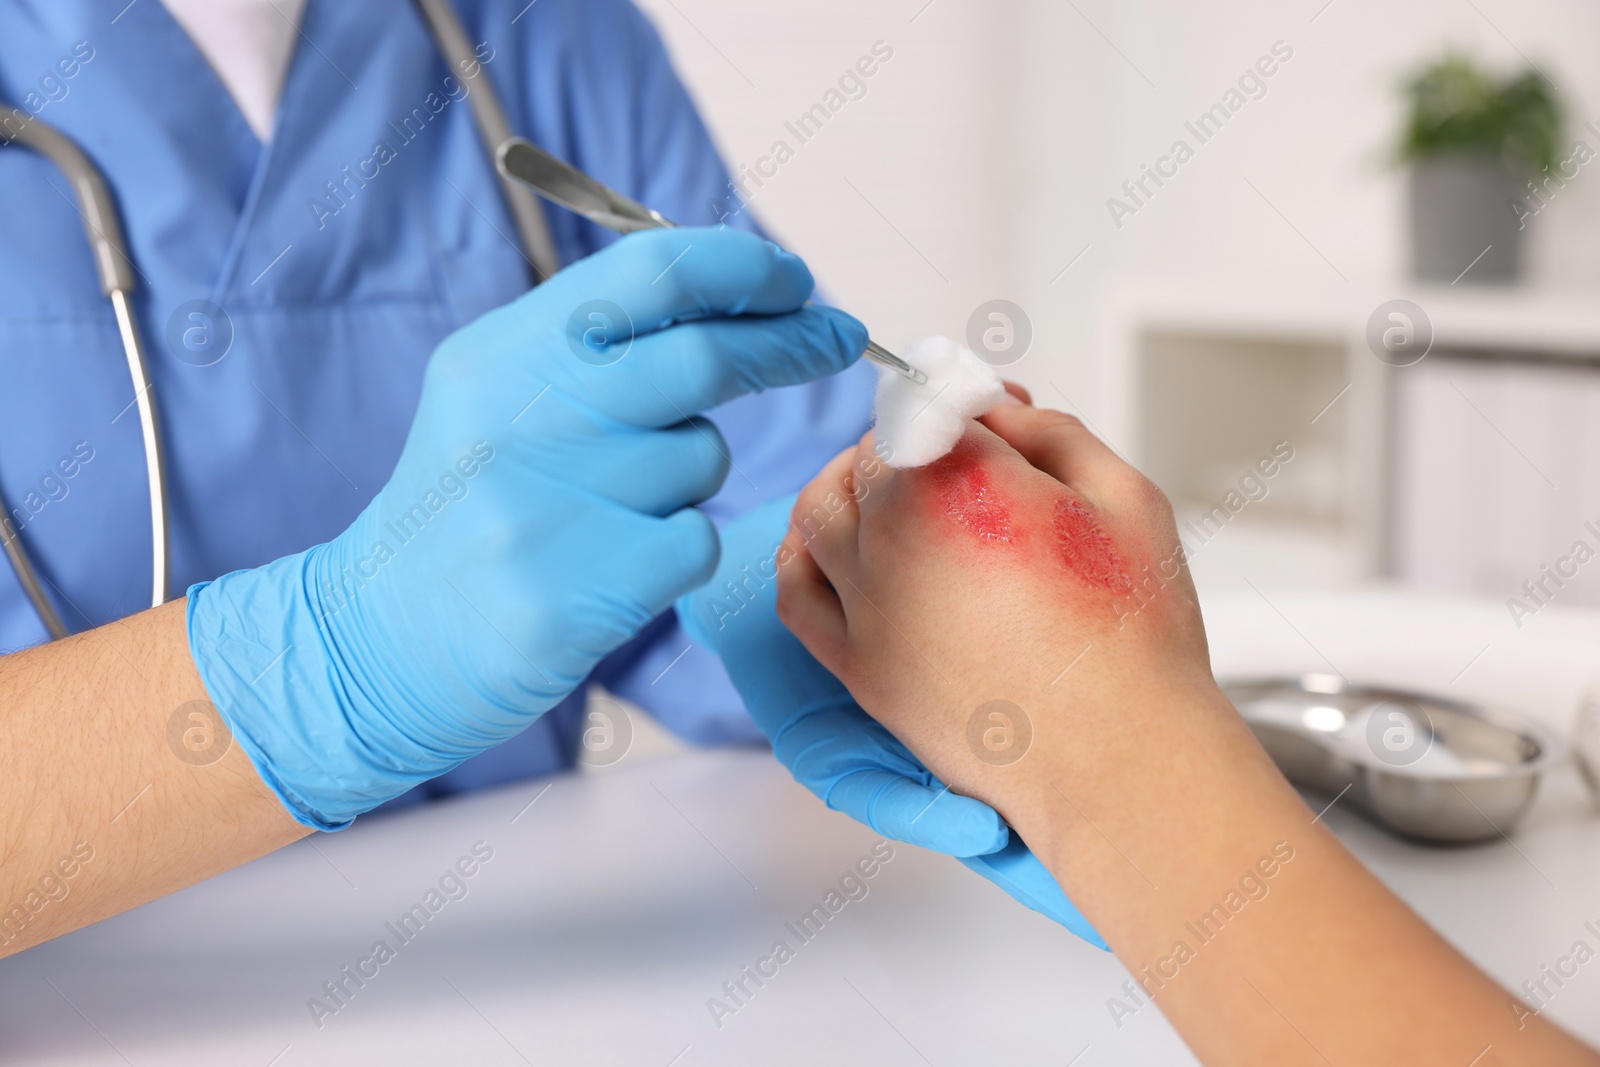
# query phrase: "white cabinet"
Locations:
[[1471, 471], [1497, 477]]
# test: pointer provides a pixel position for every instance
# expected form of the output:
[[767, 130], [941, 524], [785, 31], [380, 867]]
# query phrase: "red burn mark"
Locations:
[[1087, 549], [967, 496]]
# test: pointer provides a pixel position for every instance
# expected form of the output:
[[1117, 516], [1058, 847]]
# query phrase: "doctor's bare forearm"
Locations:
[[119, 784]]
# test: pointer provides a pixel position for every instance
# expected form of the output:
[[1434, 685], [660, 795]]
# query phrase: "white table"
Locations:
[[619, 902]]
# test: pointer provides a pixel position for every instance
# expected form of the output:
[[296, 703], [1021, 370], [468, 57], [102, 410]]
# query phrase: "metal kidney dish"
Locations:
[[1426, 767]]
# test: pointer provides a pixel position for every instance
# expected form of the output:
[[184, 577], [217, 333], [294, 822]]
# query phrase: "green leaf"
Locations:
[[1458, 108]]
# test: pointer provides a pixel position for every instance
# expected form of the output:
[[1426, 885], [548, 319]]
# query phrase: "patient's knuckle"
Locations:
[[808, 498], [1063, 422], [1061, 436], [788, 597], [1140, 490]]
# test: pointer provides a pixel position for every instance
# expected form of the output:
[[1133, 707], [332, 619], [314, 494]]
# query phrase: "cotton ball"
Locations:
[[916, 424]]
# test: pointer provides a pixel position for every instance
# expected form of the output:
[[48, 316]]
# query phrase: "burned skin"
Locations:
[[967, 499]]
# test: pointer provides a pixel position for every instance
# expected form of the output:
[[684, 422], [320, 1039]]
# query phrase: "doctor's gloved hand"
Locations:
[[541, 513], [828, 743]]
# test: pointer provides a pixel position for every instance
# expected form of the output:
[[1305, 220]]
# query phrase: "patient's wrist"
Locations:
[[1140, 789]]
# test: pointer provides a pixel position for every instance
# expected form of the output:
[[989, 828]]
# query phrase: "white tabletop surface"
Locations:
[[620, 901]]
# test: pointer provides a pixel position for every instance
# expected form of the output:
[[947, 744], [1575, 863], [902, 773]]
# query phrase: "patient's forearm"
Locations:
[[111, 787], [1252, 928]]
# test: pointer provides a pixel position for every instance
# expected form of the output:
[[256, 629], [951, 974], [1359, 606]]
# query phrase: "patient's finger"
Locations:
[[870, 468], [808, 606], [827, 514], [1019, 393], [1060, 445]]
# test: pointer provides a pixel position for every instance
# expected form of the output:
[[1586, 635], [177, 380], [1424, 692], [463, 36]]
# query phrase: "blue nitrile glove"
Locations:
[[828, 743], [540, 515]]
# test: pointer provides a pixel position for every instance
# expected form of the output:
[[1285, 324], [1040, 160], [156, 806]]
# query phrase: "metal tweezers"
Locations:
[[576, 191]]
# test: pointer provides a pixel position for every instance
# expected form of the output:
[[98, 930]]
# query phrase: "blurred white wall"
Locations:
[[984, 152], [902, 203], [981, 160], [1316, 145]]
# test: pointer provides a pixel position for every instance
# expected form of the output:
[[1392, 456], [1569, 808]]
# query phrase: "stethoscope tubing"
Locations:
[[118, 278]]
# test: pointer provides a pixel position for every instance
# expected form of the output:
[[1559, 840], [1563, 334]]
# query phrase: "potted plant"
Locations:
[[1474, 142]]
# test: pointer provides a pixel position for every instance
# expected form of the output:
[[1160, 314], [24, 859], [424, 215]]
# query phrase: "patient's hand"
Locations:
[[1033, 567], [1030, 566]]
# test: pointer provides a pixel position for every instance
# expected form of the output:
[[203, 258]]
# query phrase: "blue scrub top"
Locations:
[[341, 252]]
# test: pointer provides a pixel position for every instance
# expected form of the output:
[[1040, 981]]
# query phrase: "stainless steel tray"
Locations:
[[1424, 766]]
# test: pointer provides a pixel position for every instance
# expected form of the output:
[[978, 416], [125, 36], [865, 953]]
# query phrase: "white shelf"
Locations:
[[1543, 361], [1560, 324]]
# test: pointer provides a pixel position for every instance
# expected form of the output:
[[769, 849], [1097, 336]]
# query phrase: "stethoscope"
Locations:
[[103, 227]]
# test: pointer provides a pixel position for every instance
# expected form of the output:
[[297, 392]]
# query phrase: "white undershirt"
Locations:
[[249, 44]]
